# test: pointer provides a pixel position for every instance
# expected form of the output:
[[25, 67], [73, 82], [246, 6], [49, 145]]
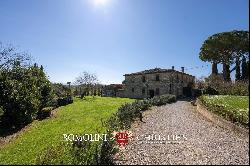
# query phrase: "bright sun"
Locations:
[[100, 2]]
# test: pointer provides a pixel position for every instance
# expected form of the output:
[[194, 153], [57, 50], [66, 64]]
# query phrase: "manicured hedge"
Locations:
[[162, 100], [127, 113]]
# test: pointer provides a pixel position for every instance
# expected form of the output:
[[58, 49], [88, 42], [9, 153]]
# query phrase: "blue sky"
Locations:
[[119, 36]]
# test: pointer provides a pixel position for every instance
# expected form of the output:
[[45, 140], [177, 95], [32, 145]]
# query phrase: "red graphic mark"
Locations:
[[122, 138]]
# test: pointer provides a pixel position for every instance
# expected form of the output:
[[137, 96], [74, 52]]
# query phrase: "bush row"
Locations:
[[215, 85], [57, 102], [232, 114], [236, 89], [62, 101], [101, 153], [79, 153], [239, 88], [44, 113], [127, 113]]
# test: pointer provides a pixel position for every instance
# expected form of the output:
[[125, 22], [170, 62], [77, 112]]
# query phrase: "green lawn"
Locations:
[[235, 108], [83, 116]]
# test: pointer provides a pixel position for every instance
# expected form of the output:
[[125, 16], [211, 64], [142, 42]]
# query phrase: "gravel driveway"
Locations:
[[199, 141]]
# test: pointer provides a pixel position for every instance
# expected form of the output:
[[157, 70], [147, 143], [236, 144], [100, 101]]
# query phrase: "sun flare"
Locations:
[[101, 2]]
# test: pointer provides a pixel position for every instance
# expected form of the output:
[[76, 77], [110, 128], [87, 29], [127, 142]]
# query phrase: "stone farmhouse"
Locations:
[[154, 82], [111, 90]]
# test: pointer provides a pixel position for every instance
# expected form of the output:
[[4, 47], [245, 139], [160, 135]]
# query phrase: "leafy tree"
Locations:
[[23, 92], [60, 90], [210, 51], [45, 87], [226, 48], [88, 81], [240, 51], [9, 55], [24, 89]]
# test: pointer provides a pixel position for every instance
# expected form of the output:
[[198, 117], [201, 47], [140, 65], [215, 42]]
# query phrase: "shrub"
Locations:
[[62, 95], [23, 92], [197, 92], [1, 111], [215, 85], [61, 90], [100, 153], [54, 102], [44, 113], [78, 153], [62, 101], [54, 155], [127, 113], [211, 91], [162, 100], [144, 104], [229, 107], [171, 99]]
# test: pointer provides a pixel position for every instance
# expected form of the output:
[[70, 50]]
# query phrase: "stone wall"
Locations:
[[120, 93]]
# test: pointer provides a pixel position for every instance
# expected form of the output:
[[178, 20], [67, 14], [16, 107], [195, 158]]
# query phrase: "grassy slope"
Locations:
[[238, 105], [79, 117]]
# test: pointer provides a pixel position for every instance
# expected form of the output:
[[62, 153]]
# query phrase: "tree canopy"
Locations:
[[24, 89], [9, 55], [87, 81], [226, 48]]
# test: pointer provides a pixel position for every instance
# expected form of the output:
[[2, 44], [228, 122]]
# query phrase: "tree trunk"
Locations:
[[244, 68], [226, 72], [237, 74], [214, 69], [247, 73]]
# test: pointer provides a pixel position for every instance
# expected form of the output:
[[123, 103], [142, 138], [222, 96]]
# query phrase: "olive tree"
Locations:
[[87, 81]]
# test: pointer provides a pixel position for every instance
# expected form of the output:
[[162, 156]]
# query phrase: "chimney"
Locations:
[[172, 67], [182, 69]]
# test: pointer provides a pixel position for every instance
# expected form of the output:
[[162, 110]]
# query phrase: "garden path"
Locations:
[[200, 141]]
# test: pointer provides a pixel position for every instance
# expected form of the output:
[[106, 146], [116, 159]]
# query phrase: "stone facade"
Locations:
[[154, 82], [111, 90]]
